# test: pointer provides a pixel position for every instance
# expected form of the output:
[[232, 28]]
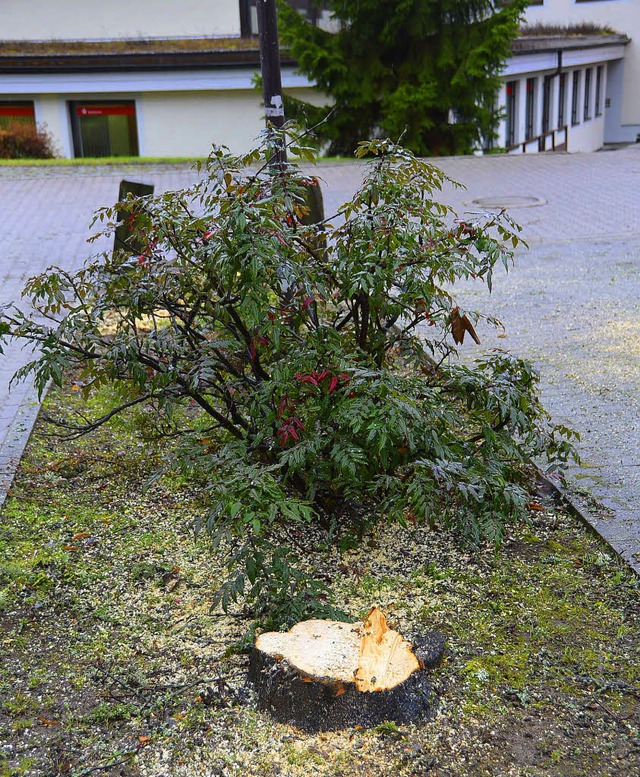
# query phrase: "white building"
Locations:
[[169, 77], [622, 114], [574, 91], [148, 77], [557, 92]]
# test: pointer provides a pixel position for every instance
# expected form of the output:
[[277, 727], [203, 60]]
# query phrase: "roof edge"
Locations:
[[527, 44]]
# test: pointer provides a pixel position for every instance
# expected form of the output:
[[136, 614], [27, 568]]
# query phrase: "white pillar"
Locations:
[[51, 111], [581, 96], [538, 98]]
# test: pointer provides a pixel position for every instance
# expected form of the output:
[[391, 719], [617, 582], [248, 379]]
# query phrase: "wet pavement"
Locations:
[[571, 303]]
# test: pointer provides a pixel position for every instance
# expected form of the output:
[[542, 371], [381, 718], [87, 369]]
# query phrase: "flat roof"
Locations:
[[54, 56], [128, 54]]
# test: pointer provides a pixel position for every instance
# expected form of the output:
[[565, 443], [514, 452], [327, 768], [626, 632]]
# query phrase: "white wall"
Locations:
[[90, 19], [171, 123], [586, 135], [622, 16], [51, 111], [187, 124]]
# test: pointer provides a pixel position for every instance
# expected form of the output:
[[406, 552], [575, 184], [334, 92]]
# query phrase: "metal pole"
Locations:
[[270, 67]]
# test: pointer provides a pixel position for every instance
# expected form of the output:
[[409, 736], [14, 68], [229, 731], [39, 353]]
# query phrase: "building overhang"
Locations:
[[552, 53], [120, 82], [528, 44]]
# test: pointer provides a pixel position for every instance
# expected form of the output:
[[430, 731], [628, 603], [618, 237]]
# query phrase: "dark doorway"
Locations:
[[546, 103], [105, 128], [510, 113], [530, 108]]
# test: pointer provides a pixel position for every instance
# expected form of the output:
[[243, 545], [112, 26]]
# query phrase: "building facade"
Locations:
[[150, 78], [622, 114], [171, 77], [573, 81], [556, 93]]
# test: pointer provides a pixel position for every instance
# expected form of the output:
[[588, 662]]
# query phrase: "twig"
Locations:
[[612, 714], [614, 685], [128, 755]]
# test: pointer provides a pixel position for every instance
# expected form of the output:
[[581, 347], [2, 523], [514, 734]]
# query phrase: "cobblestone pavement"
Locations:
[[571, 303]]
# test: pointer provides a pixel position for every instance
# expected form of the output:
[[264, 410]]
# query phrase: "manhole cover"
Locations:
[[508, 201]]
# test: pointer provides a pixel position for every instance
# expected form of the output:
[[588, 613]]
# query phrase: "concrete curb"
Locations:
[[563, 498], [16, 439]]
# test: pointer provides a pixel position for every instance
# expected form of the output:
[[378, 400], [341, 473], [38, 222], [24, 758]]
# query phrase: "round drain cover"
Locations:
[[508, 201]]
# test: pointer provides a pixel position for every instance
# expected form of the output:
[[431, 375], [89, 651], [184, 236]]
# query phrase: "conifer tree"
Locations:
[[426, 70]]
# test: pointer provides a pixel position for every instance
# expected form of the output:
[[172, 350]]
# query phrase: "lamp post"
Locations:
[[270, 67]]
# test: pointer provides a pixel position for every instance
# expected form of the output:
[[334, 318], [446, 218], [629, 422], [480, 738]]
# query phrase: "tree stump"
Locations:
[[324, 675]]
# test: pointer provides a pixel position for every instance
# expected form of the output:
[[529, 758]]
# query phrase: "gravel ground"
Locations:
[[114, 664]]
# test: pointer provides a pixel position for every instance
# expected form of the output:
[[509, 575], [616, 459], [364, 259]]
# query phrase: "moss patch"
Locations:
[[113, 663]]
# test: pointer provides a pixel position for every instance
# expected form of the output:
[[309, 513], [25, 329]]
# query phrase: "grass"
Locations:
[[122, 160], [125, 46], [112, 662], [565, 30], [99, 161]]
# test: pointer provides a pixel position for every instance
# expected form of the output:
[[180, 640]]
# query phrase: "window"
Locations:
[[562, 99], [599, 80], [546, 103], [105, 128], [248, 18], [12, 111], [587, 94], [530, 108], [310, 9], [575, 94], [510, 111]]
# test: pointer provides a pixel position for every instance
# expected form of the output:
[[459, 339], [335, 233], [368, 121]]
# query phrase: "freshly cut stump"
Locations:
[[324, 675]]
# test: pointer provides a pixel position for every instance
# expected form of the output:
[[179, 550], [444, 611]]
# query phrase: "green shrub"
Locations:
[[20, 140], [309, 372]]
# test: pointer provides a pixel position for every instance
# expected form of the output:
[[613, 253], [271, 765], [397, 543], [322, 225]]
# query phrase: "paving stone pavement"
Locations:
[[571, 303]]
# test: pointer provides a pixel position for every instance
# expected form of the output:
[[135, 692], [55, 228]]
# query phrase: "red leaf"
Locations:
[[312, 379]]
